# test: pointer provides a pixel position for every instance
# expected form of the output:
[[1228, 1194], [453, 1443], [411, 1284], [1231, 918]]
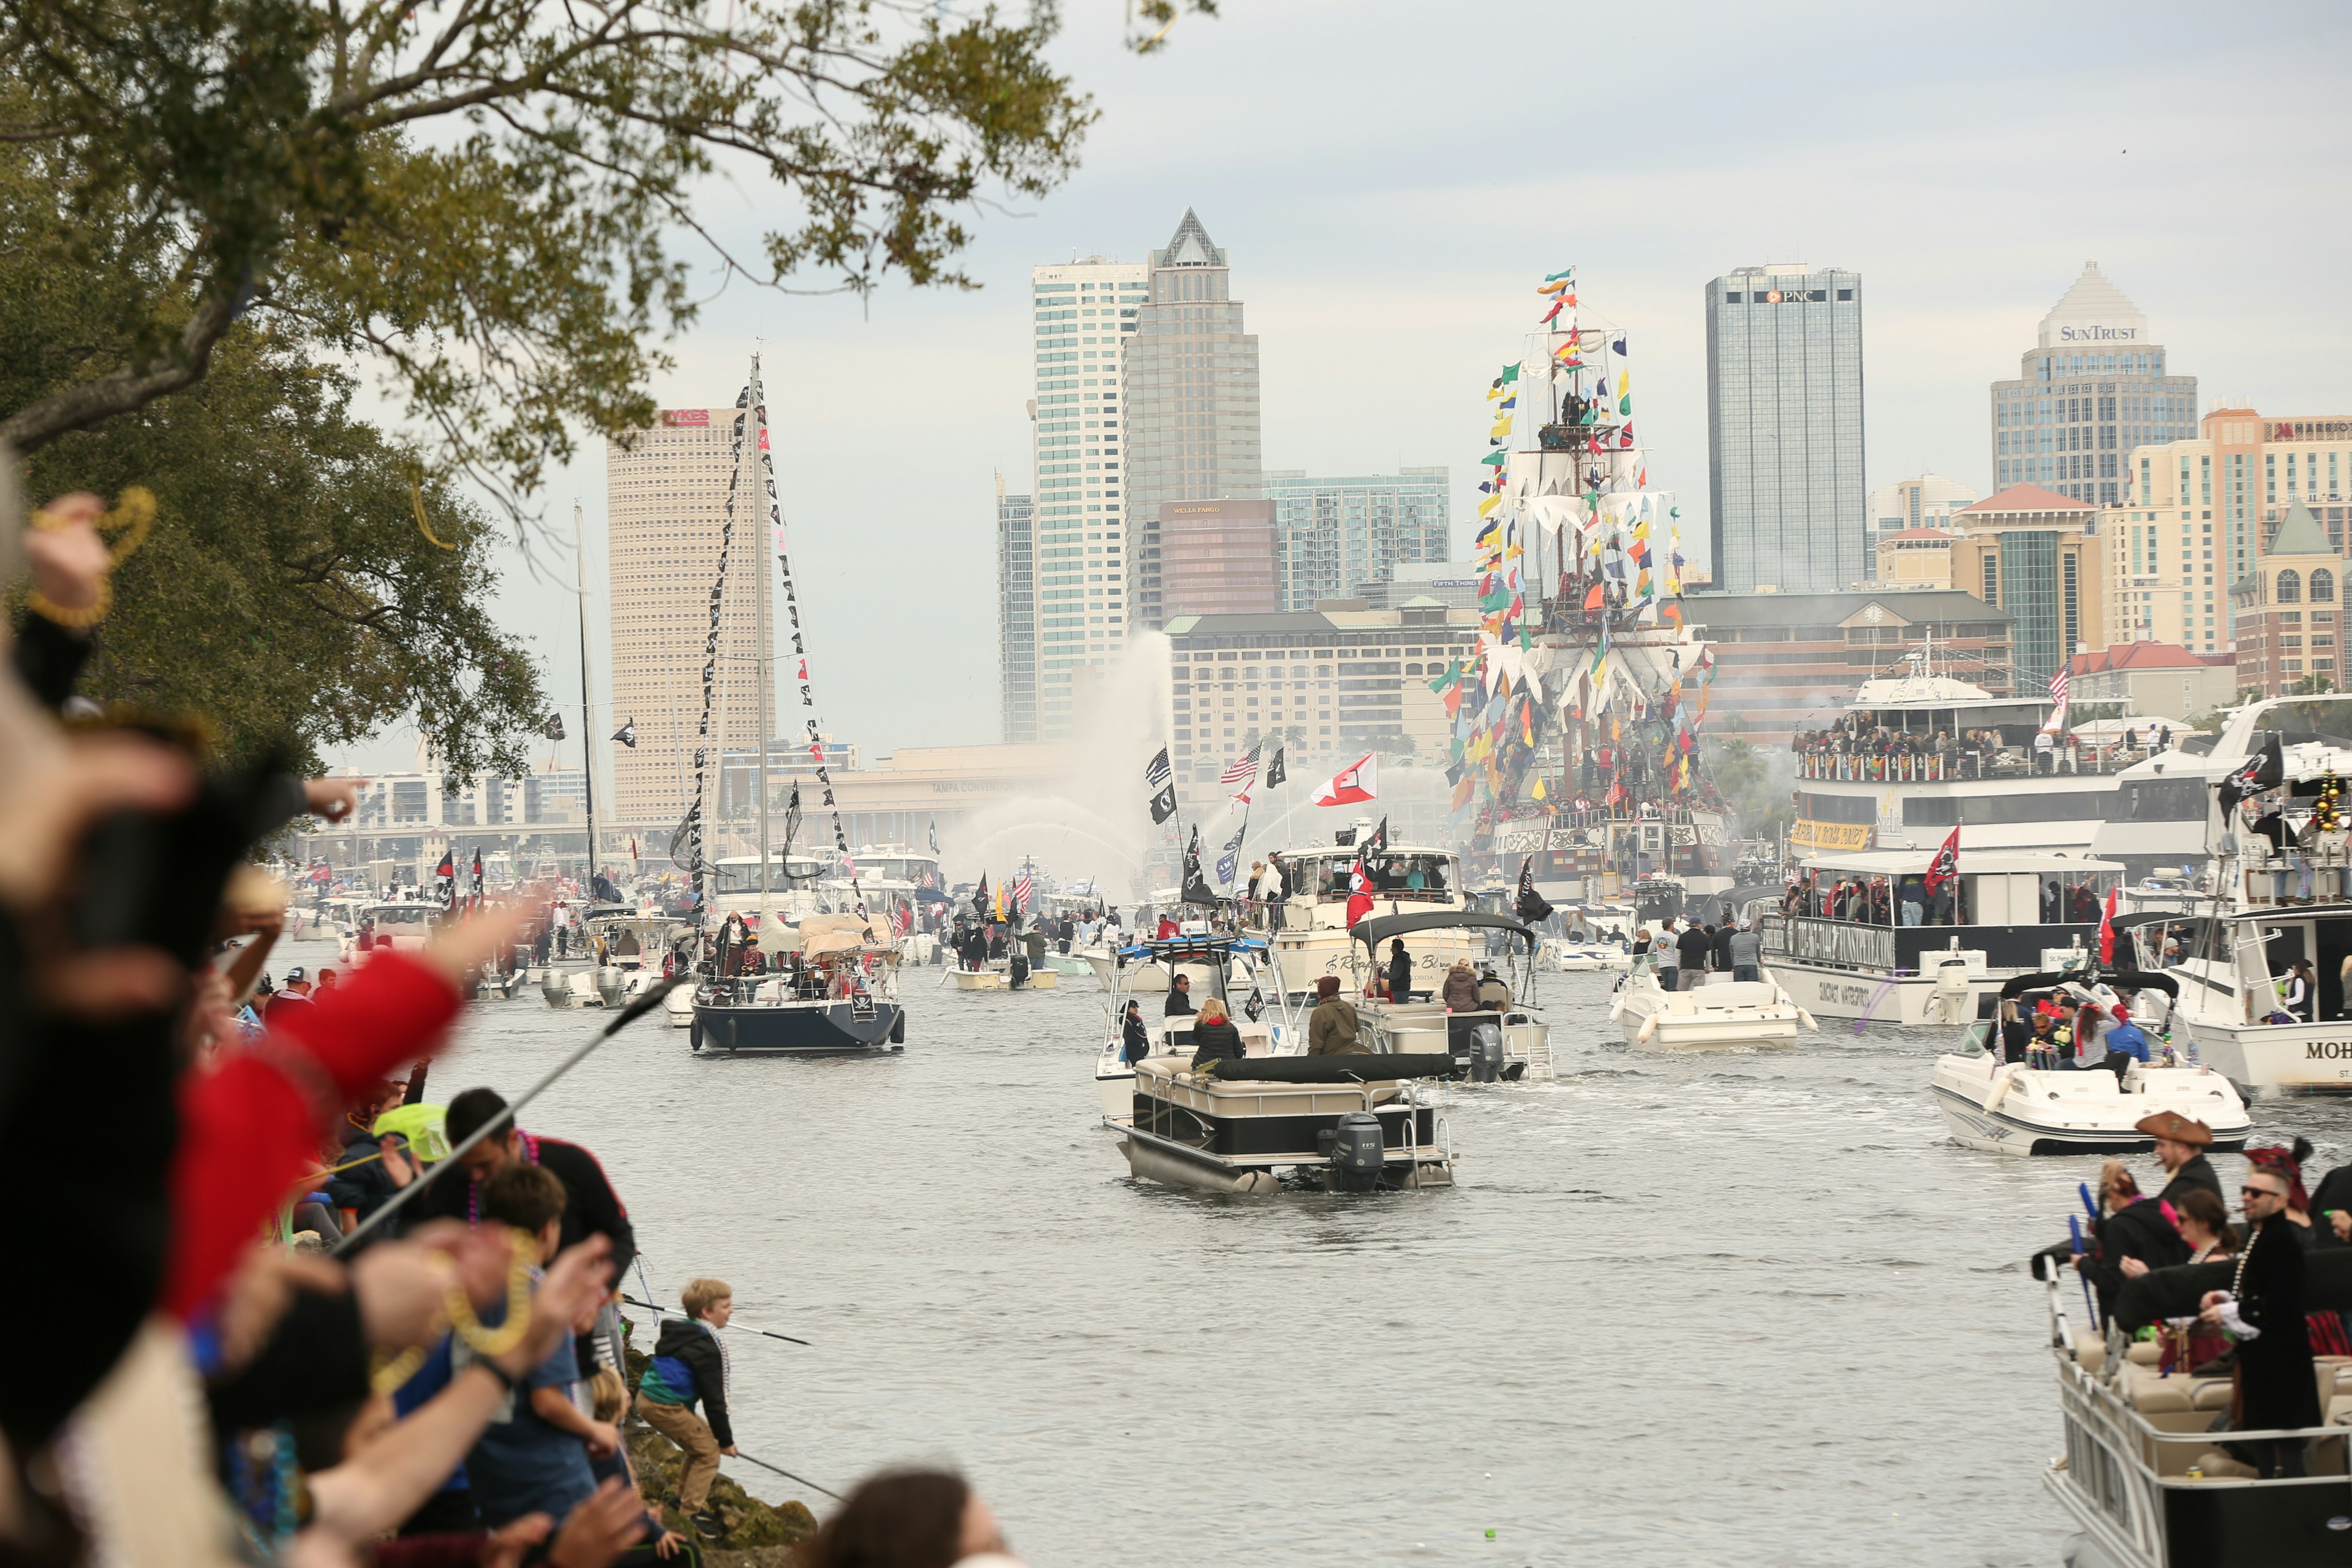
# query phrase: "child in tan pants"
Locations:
[[689, 1363]]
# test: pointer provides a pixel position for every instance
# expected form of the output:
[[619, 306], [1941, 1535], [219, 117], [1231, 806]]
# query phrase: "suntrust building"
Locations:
[[2092, 388]]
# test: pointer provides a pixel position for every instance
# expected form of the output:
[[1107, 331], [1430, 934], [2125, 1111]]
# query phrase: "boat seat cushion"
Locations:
[[1727, 993], [1373, 1068]]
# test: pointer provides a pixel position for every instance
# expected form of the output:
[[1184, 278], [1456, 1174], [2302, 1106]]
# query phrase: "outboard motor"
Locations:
[[1355, 1151], [1486, 1052]]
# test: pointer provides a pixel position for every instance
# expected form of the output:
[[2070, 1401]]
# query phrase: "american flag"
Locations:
[[2058, 686], [1242, 769], [1021, 890]]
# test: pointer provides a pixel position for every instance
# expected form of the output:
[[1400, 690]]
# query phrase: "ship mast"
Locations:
[[763, 666], [587, 719]]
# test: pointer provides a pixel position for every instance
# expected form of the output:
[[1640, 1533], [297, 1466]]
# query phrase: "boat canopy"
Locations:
[[821, 934], [1973, 862], [1378, 929], [2292, 913], [2017, 985], [1192, 949]]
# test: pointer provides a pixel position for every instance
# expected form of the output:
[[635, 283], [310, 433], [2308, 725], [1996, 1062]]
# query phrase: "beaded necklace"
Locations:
[[2238, 1279], [474, 1183], [267, 1486]]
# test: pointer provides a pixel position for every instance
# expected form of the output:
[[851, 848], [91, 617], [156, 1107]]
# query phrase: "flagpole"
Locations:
[[587, 716]]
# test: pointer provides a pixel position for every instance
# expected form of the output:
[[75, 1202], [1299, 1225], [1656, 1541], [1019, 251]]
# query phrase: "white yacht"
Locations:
[[1717, 1013], [1998, 923], [1312, 939], [1853, 796]]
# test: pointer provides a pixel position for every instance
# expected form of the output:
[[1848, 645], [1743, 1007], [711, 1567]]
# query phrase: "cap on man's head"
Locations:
[[2173, 1127], [1326, 985], [294, 974]]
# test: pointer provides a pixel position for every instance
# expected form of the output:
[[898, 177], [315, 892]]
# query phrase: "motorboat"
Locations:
[[1718, 1014], [1275, 1117], [1999, 914], [402, 925], [2145, 1477], [1233, 970], [996, 974], [1510, 1041], [838, 996], [1572, 955], [1308, 930], [2025, 1108]]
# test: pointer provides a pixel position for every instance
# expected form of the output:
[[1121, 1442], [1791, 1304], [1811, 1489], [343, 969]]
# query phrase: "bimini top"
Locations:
[[1973, 862], [1190, 949], [2017, 985], [1378, 929]]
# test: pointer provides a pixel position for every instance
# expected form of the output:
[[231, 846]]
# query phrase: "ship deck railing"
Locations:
[[1928, 768]]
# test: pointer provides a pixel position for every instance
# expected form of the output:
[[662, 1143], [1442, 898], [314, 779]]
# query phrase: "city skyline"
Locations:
[[1370, 344]]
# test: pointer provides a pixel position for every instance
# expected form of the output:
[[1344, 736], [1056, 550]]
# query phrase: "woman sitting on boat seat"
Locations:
[[1460, 994], [1214, 1037]]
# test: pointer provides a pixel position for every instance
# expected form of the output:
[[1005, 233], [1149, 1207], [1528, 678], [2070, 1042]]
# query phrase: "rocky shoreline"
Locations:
[[759, 1534]]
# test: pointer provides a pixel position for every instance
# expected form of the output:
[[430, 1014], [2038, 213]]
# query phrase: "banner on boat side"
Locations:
[[1841, 942], [1808, 835]]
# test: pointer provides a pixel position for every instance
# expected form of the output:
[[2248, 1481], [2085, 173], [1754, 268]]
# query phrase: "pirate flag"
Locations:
[[1946, 863], [553, 728], [477, 878], [1375, 843], [444, 880], [2264, 770], [980, 898], [628, 734], [1275, 772], [1196, 888], [1529, 904]]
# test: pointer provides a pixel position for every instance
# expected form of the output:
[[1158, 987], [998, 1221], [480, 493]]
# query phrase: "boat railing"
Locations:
[[1929, 768]]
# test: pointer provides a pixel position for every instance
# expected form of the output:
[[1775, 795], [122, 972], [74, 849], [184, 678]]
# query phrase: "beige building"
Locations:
[[1218, 558], [2286, 610], [2197, 516], [667, 499], [1912, 558], [2158, 678], [1926, 502]]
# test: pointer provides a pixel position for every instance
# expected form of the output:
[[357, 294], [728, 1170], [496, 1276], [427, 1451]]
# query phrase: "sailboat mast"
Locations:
[[587, 715], [764, 672]]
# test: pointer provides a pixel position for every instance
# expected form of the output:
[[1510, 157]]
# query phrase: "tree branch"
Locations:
[[123, 391]]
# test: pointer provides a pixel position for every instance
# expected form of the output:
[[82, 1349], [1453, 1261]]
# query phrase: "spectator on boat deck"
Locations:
[[2180, 1145], [1180, 997], [1460, 991], [1331, 1031], [1669, 956], [2264, 1312], [1135, 1040], [2129, 1231], [909, 1518], [1744, 951], [1693, 945], [2299, 995], [2044, 1041], [1723, 935], [1492, 995], [1400, 971], [1215, 1038]]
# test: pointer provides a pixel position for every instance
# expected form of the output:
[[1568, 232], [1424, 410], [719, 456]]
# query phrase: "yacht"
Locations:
[[1311, 939], [1851, 797], [1275, 1118], [2021, 1108], [836, 994], [1996, 926]]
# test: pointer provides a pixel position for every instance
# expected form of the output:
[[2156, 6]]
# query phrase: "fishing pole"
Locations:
[[665, 1312], [635, 1010], [790, 1476]]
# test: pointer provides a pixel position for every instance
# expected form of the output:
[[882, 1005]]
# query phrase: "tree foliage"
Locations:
[[484, 196]]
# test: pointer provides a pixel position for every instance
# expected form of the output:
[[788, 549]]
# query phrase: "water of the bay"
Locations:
[[1744, 1308]]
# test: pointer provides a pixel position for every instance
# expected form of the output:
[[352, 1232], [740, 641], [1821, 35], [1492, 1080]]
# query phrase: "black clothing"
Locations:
[[2334, 1192], [591, 1207], [49, 659], [2198, 1173], [2016, 1034], [1213, 1042], [2274, 1368], [1179, 1003], [2274, 827], [2139, 1231], [698, 1347], [1692, 948], [1135, 1040], [1723, 934], [315, 1360], [1400, 975]]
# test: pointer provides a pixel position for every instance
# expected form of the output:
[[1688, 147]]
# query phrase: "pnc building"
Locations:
[[2093, 387]]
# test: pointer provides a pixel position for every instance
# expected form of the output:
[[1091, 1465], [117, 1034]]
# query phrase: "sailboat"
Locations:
[[830, 987]]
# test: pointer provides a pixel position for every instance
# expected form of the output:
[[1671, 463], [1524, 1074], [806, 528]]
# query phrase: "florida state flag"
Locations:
[[1947, 864]]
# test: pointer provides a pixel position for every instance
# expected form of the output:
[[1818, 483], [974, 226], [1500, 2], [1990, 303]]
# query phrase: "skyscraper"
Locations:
[[1017, 614], [2092, 388], [1784, 428], [1083, 310], [1335, 536], [667, 499], [1192, 382]]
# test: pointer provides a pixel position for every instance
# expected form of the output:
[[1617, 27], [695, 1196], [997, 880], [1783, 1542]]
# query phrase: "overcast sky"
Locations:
[[1391, 180]]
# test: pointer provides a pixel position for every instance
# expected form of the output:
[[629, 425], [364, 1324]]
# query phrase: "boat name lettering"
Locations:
[[1831, 941], [2326, 1050]]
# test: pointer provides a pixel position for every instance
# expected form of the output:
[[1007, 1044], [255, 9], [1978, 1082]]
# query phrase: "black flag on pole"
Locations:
[[1196, 887], [553, 728], [2263, 771], [1529, 905], [628, 734], [1275, 773], [1162, 781]]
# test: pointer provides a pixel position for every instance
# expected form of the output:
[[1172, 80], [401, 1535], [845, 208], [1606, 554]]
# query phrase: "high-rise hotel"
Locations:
[[667, 505], [1072, 535]]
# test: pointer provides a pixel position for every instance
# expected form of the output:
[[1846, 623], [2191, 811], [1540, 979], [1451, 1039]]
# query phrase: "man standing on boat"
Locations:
[[1400, 971], [1180, 997], [1331, 1031], [2263, 1309], [1694, 945], [2180, 1145]]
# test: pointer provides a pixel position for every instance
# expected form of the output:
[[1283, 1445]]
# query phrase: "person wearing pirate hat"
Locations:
[[2180, 1145]]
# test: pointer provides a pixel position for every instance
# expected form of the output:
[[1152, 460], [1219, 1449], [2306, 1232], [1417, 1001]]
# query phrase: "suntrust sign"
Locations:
[[2097, 335]]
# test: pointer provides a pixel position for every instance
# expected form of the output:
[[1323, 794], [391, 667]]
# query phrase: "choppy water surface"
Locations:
[[1749, 1309]]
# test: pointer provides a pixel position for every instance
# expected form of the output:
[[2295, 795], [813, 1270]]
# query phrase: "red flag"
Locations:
[[1360, 893], [2107, 929], [1947, 864], [1351, 785]]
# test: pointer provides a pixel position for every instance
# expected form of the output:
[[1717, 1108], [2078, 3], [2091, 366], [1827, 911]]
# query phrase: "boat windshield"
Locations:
[[402, 914], [1404, 875]]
